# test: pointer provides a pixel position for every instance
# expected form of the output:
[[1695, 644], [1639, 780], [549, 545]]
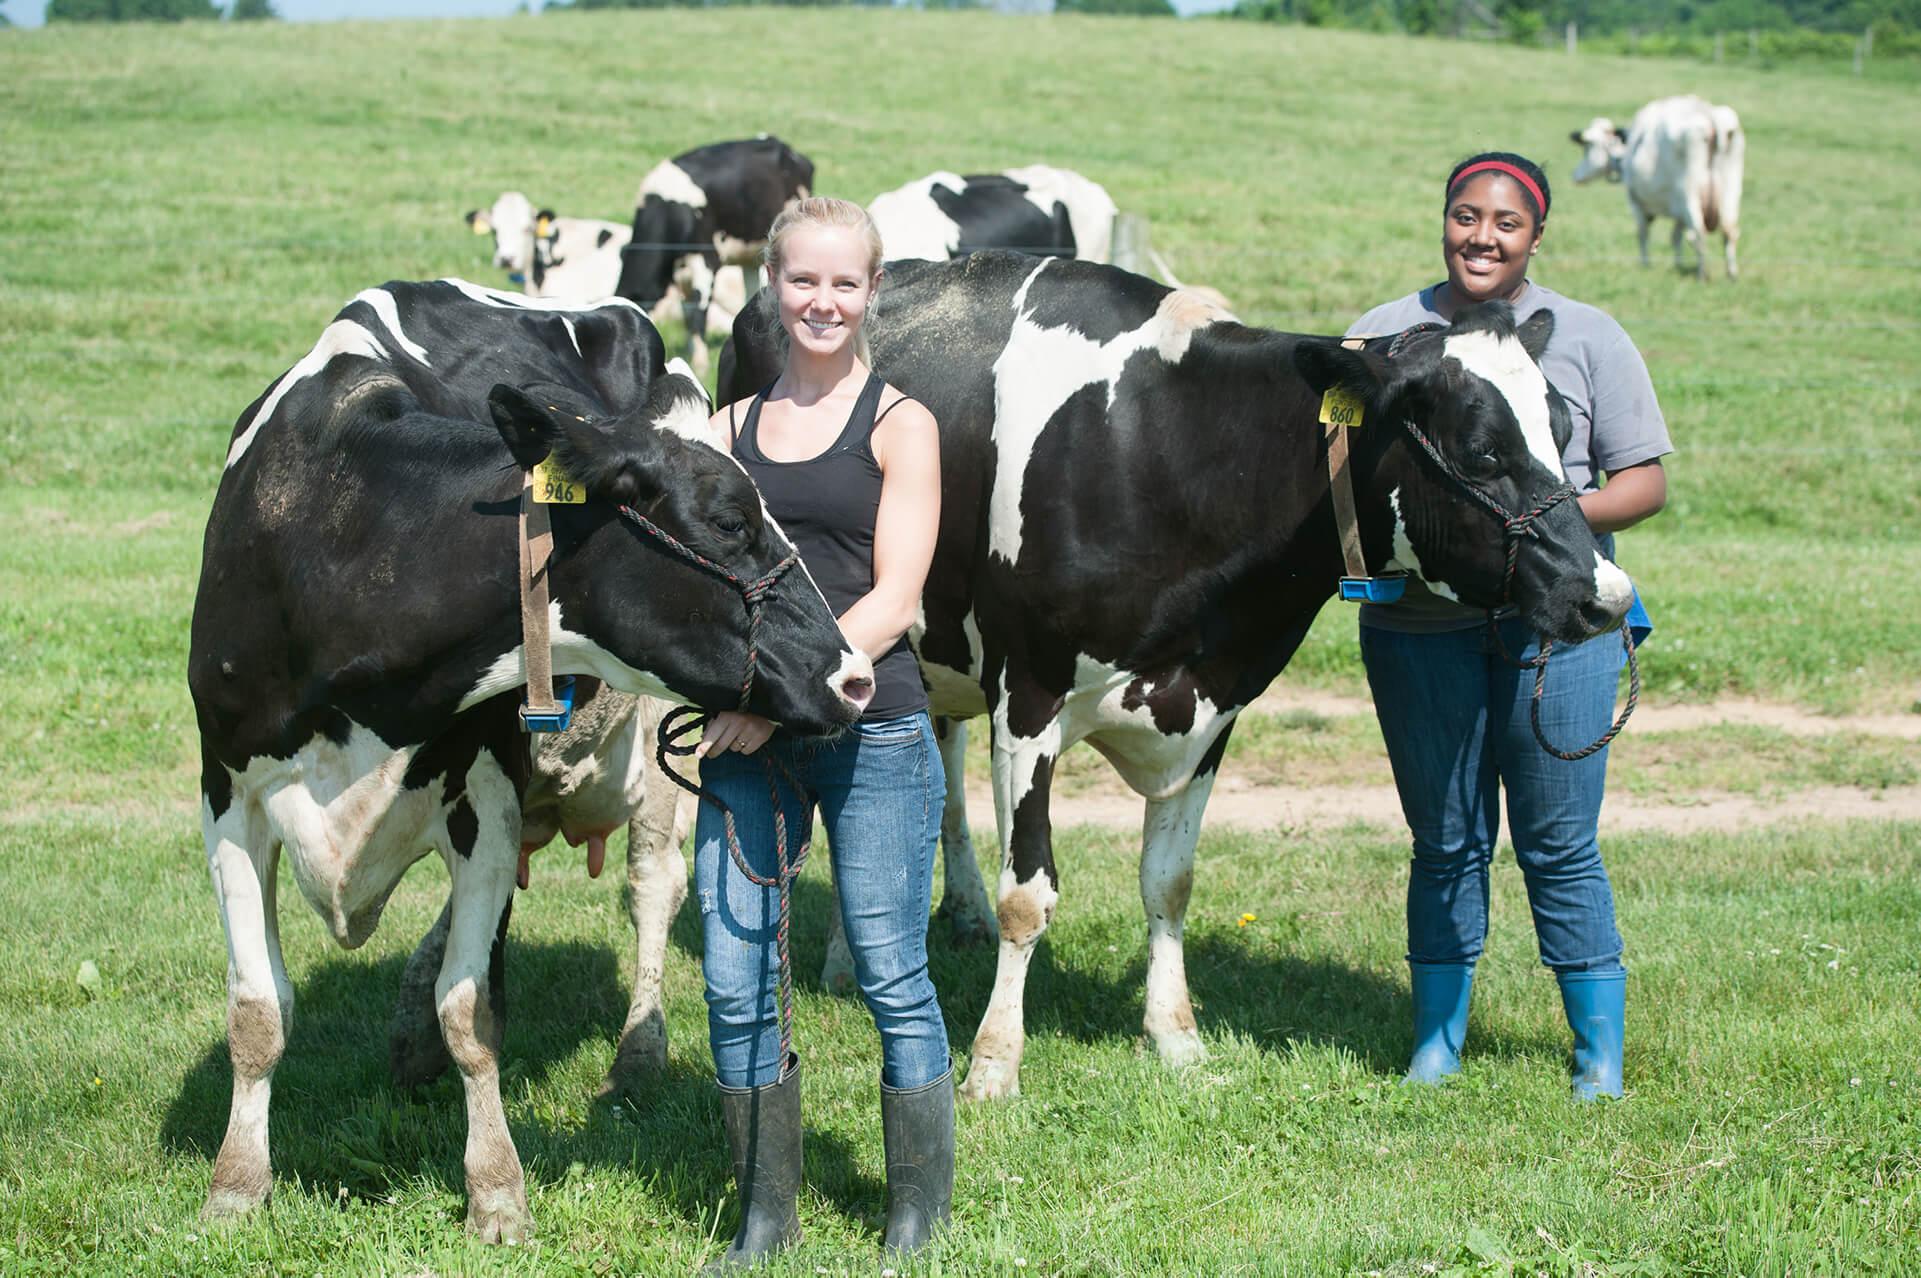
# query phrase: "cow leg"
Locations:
[[963, 902], [698, 284], [1728, 236], [656, 885], [1029, 891], [837, 969], [1641, 224], [243, 858], [469, 998], [416, 1052], [1169, 832]]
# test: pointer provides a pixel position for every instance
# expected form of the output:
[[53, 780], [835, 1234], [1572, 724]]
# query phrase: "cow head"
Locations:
[[647, 268], [1476, 393], [1603, 147], [639, 613], [515, 225]]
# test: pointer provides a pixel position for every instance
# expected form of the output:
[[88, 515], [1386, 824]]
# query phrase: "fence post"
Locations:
[[1634, 41], [1867, 41], [1130, 242], [1572, 36], [1718, 40], [1754, 43], [1857, 57]]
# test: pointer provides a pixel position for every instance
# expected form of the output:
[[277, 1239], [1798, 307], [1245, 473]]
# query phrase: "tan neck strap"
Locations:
[[1341, 482], [536, 549]]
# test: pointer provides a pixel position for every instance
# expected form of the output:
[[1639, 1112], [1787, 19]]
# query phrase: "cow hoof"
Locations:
[[991, 1080], [1178, 1051], [417, 1054], [226, 1206], [500, 1217], [634, 1068]]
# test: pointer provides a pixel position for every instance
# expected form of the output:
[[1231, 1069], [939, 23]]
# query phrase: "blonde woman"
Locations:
[[850, 468]]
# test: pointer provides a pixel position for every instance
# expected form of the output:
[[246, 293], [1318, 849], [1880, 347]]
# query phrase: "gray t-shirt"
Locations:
[[1593, 364]]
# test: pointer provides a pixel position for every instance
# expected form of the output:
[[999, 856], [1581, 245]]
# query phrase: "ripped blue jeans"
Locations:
[[880, 790]]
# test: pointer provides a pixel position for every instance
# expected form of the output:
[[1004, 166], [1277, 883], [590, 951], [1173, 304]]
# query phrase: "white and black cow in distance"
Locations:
[[357, 662], [577, 259], [1137, 531], [1046, 212], [1681, 158], [704, 209], [569, 258]]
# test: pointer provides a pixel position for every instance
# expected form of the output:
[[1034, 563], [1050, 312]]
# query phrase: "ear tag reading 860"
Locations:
[[1341, 408], [555, 487]]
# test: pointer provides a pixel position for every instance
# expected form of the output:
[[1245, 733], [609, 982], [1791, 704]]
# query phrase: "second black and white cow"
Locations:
[[357, 658], [1038, 210], [1137, 531], [575, 259], [705, 209]]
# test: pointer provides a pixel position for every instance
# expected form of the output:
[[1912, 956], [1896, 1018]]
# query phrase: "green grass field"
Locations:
[[183, 209]]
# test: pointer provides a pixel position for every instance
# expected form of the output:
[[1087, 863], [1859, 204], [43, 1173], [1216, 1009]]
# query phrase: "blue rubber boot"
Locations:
[[1596, 1004], [1440, 1018]]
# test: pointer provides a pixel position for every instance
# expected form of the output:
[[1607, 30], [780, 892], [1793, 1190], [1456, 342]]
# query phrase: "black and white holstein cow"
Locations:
[[1681, 158], [1137, 531], [357, 658], [702, 210], [1039, 210], [577, 259]]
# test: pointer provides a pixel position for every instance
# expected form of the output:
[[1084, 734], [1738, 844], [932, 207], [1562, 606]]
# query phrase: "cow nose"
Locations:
[[853, 680]]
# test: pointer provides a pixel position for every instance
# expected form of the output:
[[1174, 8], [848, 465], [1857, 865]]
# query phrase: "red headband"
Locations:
[[1502, 166]]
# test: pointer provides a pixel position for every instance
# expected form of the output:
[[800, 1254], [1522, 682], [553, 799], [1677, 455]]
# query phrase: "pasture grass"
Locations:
[[1769, 1127]]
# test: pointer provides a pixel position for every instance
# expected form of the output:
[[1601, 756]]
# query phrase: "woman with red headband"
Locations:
[[1454, 709]]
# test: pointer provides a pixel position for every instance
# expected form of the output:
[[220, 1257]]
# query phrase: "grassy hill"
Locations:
[[184, 208]]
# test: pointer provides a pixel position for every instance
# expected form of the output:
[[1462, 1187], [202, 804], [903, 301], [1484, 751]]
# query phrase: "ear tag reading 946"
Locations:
[[555, 487], [1341, 408]]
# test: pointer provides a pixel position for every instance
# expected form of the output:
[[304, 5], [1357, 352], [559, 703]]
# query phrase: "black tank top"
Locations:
[[827, 506]]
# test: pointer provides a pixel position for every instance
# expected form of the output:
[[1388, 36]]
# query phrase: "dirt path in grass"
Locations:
[[1250, 805]]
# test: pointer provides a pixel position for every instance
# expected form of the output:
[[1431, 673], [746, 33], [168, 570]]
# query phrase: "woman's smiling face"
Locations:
[[1487, 236], [825, 286]]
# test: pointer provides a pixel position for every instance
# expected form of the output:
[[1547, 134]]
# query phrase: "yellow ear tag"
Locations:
[[1341, 408], [482, 226], [542, 227], [555, 487]]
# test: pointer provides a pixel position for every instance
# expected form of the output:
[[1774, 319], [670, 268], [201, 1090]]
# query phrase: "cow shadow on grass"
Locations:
[[340, 1125]]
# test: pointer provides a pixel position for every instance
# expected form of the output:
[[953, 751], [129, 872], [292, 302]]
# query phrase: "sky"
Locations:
[[31, 13]]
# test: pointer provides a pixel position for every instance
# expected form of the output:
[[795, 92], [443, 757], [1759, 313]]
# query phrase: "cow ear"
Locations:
[[524, 422], [1534, 332], [479, 222], [1620, 133], [1326, 363], [1574, 136]]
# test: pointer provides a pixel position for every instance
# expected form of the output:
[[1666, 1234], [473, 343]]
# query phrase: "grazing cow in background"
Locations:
[[356, 655], [1137, 531], [702, 210], [577, 259], [1038, 210], [1681, 158]]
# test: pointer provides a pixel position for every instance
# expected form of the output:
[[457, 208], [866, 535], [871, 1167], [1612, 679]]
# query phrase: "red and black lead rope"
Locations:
[[681, 723]]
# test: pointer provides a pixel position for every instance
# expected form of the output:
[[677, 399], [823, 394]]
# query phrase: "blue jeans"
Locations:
[[880, 790], [1455, 716]]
